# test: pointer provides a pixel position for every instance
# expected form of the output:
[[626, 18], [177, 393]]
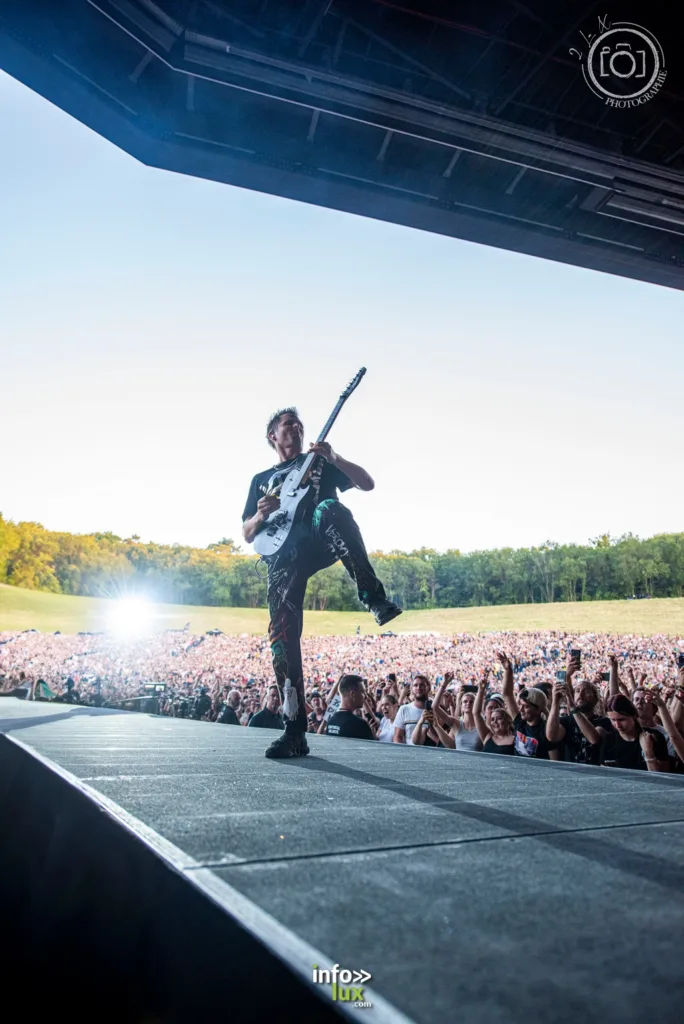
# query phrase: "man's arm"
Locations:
[[507, 688], [555, 732], [654, 764], [614, 683], [677, 703], [445, 738], [419, 733], [480, 723], [671, 729], [269, 503], [358, 476]]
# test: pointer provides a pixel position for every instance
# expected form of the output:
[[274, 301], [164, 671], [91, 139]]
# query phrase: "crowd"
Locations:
[[604, 699]]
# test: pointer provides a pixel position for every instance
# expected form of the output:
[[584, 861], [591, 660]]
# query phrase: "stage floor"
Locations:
[[475, 886]]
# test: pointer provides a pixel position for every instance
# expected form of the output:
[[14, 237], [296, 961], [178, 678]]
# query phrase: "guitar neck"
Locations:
[[309, 461], [331, 419]]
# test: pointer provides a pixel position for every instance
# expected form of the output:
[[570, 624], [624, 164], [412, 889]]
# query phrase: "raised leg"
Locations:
[[337, 536]]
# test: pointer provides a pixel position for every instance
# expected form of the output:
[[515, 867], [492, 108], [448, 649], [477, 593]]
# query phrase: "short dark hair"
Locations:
[[349, 683], [291, 410]]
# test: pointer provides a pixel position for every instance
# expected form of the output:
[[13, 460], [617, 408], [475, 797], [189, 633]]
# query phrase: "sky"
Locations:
[[150, 322]]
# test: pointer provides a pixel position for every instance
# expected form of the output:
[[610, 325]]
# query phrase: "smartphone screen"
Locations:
[[561, 675]]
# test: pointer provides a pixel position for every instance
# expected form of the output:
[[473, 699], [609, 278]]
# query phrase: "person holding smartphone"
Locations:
[[628, 744], [571, 728], [410, 716], [460, 733], [529, 718]]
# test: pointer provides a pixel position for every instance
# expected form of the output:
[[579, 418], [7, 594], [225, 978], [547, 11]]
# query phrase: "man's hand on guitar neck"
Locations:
[[269, 503], [358, 476], [324, 449]]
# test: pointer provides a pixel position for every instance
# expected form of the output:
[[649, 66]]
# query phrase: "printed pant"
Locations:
[[334, 536]]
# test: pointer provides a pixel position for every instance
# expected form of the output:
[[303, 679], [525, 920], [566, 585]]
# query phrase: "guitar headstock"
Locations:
[[353, 383]]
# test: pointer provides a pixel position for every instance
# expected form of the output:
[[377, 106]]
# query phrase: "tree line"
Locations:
[[104, 565]]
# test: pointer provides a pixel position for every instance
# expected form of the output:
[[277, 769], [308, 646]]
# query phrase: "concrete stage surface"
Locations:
[[470, 886]]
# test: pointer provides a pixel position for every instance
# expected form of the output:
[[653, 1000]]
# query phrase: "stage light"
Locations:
[[130, 617]]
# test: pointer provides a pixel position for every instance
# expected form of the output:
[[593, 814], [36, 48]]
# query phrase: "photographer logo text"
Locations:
[[623, 64], [345, 986]]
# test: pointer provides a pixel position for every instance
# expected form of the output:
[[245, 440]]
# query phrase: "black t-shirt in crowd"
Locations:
[[530, 740], [346, 723], [577, 746], [628, 753], [227, 716], [265, 719], [326, 481]]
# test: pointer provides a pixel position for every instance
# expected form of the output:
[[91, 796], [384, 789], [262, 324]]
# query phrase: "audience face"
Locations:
[[585, 697], [529, 713], [420, 688], [645, 705], [626, 725], [467, 703], [354, 697], [491, 707], [388, 709], [499, 723], [273, 700]]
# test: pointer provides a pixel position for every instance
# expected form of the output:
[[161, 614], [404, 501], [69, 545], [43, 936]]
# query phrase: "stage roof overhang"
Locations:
[[467, 119]]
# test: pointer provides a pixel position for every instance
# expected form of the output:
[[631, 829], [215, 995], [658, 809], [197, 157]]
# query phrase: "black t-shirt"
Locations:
[[265, 719], [530, 740], [577, 746], [314, 722], [628, 753], [326, 481], [346, 723], [227, 716], [202, 705]]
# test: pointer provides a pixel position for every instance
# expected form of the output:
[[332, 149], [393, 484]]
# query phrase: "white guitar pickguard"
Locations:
[[277, 527]]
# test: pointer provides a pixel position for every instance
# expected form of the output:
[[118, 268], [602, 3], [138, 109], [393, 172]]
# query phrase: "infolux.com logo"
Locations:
[[346, 986], [623, 63]]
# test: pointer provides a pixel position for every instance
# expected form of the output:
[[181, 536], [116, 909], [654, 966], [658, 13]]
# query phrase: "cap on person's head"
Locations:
[[498, 698], [533, 695]]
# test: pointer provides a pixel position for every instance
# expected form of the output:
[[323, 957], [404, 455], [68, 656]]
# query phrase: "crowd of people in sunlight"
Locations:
[[610, 700]]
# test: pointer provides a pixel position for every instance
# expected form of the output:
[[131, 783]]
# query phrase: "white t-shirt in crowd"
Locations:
[[386, 730], [407, 718]]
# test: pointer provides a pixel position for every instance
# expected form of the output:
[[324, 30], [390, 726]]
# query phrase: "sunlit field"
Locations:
[[28, 609]]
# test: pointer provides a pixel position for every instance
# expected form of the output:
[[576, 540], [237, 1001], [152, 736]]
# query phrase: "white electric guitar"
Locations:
[[278, 528]]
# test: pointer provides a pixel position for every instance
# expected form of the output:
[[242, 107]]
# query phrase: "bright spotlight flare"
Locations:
[[130, 617]]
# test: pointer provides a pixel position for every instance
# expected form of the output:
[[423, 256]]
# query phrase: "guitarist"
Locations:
[[331, 534]]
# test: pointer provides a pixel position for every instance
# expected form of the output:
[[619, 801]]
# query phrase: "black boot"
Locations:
[[289, 744], [385, 611]]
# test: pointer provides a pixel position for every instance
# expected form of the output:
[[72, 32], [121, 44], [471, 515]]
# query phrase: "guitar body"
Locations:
[[279, 530], [285, 526]]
